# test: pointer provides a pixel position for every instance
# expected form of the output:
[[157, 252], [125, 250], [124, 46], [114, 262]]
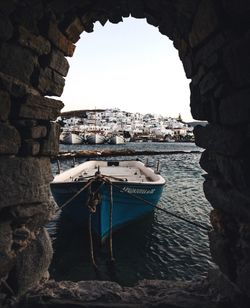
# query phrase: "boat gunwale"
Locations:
[[158, 180]]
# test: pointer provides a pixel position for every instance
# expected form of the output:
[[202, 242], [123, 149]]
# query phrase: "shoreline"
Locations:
[[108, 152]]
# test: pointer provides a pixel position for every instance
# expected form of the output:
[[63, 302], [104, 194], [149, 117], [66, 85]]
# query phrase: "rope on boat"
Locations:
[[163, 210], [91, 241], [7, 286], [76, 194], [93, 201], [111, 222]]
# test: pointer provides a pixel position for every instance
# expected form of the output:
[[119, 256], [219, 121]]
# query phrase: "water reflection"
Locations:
[[72, 259]]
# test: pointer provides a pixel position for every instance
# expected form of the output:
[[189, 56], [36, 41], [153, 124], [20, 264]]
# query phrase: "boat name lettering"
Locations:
[[131, 190]]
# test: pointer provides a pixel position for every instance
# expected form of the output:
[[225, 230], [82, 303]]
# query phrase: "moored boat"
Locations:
[[115, 193], [71, 138], [116, 139], [95, 138]]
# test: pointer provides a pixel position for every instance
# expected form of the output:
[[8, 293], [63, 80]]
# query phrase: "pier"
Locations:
[[120, 152]]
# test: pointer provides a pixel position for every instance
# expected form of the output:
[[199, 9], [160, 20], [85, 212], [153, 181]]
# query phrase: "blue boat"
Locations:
[[110, 193]]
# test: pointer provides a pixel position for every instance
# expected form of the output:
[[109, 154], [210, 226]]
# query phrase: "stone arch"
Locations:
[[212, 38]]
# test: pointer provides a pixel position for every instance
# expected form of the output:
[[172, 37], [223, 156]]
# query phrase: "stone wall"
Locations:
[[213, 40]]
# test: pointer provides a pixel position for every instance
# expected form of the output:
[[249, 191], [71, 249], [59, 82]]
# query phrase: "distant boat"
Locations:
[[120, 192], [169, 140], [116, 139], [95, 138], [70, 138]]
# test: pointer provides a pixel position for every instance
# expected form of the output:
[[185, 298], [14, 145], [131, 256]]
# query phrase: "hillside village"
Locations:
[[135, 126]]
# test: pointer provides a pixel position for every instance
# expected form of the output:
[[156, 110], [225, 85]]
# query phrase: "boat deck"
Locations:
[[130, 174], [127, 171]]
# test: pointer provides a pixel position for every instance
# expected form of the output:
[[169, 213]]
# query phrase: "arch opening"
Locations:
[[33, 66], [142, 75]]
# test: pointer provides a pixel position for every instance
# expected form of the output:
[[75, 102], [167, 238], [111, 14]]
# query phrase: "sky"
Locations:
[[130, 66]]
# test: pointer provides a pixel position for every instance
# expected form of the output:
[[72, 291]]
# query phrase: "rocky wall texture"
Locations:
[[36, 36]]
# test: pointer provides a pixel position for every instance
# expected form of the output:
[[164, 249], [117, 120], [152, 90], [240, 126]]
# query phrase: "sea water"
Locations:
[[157, 247]]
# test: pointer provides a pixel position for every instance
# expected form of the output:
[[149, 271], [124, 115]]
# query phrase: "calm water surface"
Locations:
[[158, 247]]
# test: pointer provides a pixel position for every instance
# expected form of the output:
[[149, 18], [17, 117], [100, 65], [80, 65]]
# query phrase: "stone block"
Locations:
[[113, 18], [226, 198], [23, 124], [24, 180], [151, 5], [221, 253], [182, 47], [34, 215], [235, 109], [236, 171], [199, 109], [209, 50], [188, 65], [61, 7], [243, 278], [236, 61], [16, 87], [205, 23], [50, 82], [198, 76], [34, 132], [74, 29], [136, 8], [17, 62], [60, 41], [36, 43], [208, 162], [6, 27], [7, 256], [50, 146], [203, 107], [4, 106], [7, 6], [29, 15], [10, 139], [29, 148], [237, 10], [32, 264], [187, 8], [167, 27], [209, 82], [87, 22], [40, 108], [221, 91], [56, 61], [219, 139], [102, 18], [151, 20], [226, 287]]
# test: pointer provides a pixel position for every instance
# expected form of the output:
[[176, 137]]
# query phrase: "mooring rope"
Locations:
[[91, 242], [76, 194], [7, 286], [111, 222]]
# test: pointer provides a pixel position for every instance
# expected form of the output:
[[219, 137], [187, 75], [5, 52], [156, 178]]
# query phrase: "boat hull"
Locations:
[[95, 139], [130, 202], [71, 138], [117, 140]]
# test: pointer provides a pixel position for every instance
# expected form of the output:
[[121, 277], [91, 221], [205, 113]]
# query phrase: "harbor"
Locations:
[[114, 126]]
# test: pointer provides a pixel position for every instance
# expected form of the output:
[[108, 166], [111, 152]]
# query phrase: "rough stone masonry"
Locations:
[[213, 41]]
